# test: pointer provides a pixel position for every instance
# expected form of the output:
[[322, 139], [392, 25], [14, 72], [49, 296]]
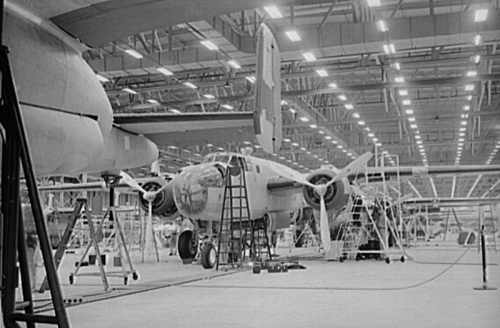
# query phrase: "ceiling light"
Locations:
[[226, 106], [283, 102], [463, 122], [419, 142], [476, 58], [152, 101], [399, 79], [409, 111], [332, 85], [129, 91], [209, 96], [314, 126], [273, 12], [304, 119], [406, 102], [403, 92], [210, 45], [366, 129], [348, 106], [413, 126], [480, 15], [397, 66], [477, 39], [328, 137], [342, 97], [361, 122], [190, 85], [378, 144], [173, 110], [295, 144], [292, 110], [334, 142], [382, 25], [355, 115], [309, 56], [344, 151], [322, 72], [101, 78], [417, 137], [466, 107], [469, 87], [411, 119], [234, 64], [302, 148], [461, 134], [471, 73], [293, 36], [339, 146], [164, 71], [321, 132], [133, 53], [371, 135], [251, 79], [375, 139], [389, 48], [373, 3], [286, 140], [463, 129]]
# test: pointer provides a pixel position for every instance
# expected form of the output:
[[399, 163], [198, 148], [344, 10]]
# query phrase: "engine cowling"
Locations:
[[336, 195], [163, 204]]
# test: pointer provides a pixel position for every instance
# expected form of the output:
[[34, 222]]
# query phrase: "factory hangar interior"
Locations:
[[414, 82]]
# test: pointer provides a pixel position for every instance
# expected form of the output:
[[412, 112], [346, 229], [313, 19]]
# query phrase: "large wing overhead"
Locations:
[[189, 128], [268, 123]]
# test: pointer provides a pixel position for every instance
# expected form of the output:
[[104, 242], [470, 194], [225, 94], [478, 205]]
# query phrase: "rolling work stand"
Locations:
[[15, 152], [111, 182]]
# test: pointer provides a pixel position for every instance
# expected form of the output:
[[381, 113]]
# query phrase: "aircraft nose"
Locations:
[[191, 188]]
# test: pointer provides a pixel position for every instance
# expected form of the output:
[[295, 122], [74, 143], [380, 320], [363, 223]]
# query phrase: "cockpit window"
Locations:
[[223, 158]]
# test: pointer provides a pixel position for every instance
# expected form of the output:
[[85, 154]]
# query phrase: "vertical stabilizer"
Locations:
[[267, 116]]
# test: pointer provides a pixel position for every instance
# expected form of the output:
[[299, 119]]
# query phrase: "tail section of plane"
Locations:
[[267, 115]]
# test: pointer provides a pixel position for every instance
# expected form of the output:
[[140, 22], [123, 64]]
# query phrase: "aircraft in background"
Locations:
[[69, 120]]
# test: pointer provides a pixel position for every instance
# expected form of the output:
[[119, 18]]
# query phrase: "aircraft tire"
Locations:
[[187, 247], [208, 256]]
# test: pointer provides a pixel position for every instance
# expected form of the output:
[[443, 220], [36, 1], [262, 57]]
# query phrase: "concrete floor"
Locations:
[[428, 290]]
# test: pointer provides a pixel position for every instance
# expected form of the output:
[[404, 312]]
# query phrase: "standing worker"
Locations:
[[174, 231]]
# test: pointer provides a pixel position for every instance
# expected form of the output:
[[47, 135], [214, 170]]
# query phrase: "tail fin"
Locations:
[[267, 115]]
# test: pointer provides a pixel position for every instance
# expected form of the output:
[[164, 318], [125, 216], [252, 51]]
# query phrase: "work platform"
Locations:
[[425, 291]]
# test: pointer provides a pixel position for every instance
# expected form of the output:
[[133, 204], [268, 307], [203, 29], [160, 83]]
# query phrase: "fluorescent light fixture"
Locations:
[[413, 126], [273, 12], [344, 151], [292, 110], [332, 85], [355, 115], [375, 139], [340, 146], [152, 101], [321, 132], [463, 129], [397, 66], [322, 72], [348, 106], [209, 96], [293, 36], [309, 56], [226, 106], [287, 140], [403, 92], [334, 142], [295, 144], [382, 25], [373, 3], [471, 73], [466, 107], [399, 79], [234, 64], [389, 48], [371, 135], [417, 137], [314, 126], [129, 91], [101, 78], [406, 102], [361, 122], [283, 102], [164, 71], [304, 119], [302, 148], [190, 85], [463, 123], [133, 53], [342, 97], [250, 79], [477, 39], [480, 15], [419, 142], [378, 144], [411, 119], [173, 110], [328, 137], [476, 58], [366, 129], [461, 139], [469, 87], [210, 45], [409, 111], [461, 134]]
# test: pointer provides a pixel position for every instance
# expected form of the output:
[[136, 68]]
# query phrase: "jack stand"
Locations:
[[485, 265], [111, 182]]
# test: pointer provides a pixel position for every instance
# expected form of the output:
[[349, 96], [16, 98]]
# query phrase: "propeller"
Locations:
[[321, 189]]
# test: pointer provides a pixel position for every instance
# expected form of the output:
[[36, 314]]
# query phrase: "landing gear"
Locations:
[[208, 255], [188, 245]]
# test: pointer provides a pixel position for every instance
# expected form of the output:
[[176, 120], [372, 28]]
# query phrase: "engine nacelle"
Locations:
[[336, 195], [163, 204]]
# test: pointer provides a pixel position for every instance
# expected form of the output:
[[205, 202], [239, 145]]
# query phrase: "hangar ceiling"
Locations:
[[424, 87]]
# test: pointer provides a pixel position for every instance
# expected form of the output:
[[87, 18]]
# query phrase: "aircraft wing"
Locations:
[[426, 171], [450, 202], [186, 129]]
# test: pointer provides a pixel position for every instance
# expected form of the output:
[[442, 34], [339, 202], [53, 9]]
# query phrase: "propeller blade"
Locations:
[[127, 179], [293, 175], [351, 167], [325, 227]]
